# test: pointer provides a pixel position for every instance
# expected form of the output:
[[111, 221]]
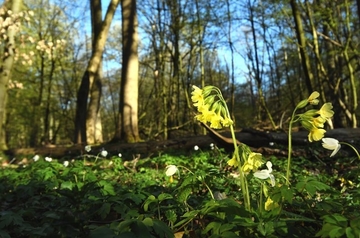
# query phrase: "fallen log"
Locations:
[[267, 142]]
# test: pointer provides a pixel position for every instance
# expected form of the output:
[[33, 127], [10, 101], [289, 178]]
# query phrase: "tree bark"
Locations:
[[128, 106], [300, 34], [5, 72], [93, 119], [90, 73]]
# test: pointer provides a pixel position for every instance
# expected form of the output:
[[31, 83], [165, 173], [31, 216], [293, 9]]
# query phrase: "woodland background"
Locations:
[[71, 81]]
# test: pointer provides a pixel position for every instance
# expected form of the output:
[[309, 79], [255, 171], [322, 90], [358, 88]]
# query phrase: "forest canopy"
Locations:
[[265, 56]]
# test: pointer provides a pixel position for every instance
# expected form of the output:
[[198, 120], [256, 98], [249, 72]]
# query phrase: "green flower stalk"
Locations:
[[312, 120], [212, 109]]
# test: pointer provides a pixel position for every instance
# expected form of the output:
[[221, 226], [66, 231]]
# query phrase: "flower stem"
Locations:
[[352, 147], [290, 147], [243, 181]]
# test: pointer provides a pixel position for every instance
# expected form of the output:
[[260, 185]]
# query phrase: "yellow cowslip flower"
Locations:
[[316, 134], [313, 98], [226, 122], [253, 162], [208, 115], [318, 121], [197, 94], [270, 204], [201, 107], [325, 111], [233, 162], [215, 122]]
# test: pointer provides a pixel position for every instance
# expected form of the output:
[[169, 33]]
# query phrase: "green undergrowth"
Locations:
[[117, 198]]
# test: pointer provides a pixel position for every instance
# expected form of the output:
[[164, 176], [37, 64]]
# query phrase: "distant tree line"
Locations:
[[73, 72]]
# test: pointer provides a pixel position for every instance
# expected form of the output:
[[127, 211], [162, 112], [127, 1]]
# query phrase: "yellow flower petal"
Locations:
[[319, 121], [216, 121], [197, 94], [270, 204], [325, 111], [253, 162], [227, 122], [233, 162], [313, 98], [316, 134]]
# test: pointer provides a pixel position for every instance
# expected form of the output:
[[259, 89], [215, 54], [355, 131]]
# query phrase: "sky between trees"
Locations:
[[265, 56]]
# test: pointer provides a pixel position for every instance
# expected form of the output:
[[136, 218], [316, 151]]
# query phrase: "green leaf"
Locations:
[[162, 230], [148, 201], [4, 234], [67, 185], [226, 227], [104, 210], [107, 188], [350, 233], [336, 219], [311, 185], [148, 221], [140, 229], [103, 232], [214, 226], [164, 196]]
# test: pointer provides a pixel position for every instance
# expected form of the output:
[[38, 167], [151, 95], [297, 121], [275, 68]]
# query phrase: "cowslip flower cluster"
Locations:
[[313, 120], [211, 107], [252, 162]]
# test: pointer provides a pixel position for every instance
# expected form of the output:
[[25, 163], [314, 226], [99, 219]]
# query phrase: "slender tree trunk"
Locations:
[[300, 34], [258, 71], [128, 107], [93, 119], [90, 74], [5, 72]]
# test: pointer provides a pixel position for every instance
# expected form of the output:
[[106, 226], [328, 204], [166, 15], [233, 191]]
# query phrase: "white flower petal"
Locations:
[[171, 170], [104, 153], [262, 174], [330, 143], [272, 179], [335, 151], [269, 166]]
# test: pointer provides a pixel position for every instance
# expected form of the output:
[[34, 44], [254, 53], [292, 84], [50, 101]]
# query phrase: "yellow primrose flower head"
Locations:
[[197, 94], [233, 162], [319, 121], [325, 111], [253, 162], [270, 204], [313, 98], [316, 134], [211, 106]]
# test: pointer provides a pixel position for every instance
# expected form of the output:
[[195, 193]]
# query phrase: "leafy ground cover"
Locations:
[[93, 196]]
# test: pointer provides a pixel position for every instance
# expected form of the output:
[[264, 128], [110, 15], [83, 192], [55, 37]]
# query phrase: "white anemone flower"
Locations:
[[171, 170], [48, 159], [266, 173], [88, 148], [104, 153], [196, 147], [36, 158], [331, 144], [66, 163]]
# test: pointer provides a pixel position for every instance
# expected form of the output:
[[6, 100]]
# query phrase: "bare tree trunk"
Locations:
[[128, 107], [257, 70], [89, 75], [93, 119], [300, 34], [5, 72]]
